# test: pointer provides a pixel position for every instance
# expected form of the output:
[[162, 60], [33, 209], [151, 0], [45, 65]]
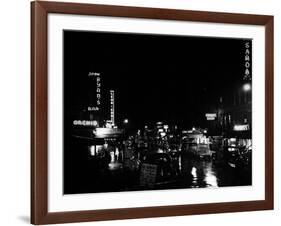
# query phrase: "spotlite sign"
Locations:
[[211, 116]]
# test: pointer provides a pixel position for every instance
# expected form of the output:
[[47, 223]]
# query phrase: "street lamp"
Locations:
[[125, 123], [246, 87]]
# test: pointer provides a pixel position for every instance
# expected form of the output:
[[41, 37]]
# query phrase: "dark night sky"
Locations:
[[155, 77]]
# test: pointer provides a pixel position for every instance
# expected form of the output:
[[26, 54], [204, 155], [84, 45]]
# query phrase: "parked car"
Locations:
[[239, 156]]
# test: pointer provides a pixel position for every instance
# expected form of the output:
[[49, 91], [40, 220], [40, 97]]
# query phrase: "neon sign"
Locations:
[[112, 107], [247, 73], [97, 76], [85, 123], [211, 116], [241, 127]]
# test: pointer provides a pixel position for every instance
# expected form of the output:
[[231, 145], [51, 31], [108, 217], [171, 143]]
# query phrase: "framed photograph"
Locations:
[[148, 112]]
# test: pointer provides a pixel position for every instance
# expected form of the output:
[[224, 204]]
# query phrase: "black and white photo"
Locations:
[[146, 111]]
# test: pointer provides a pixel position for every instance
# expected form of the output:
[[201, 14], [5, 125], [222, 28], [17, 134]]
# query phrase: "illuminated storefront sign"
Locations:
[[241, 127], [97, 76], [211, 116], [112, 107], [93, 108], [107, 132], [247, 73], [85, 123], [98, 90]]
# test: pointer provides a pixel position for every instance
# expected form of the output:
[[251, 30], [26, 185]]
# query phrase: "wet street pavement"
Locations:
[[175, 170], [192, 172], [207, 173]]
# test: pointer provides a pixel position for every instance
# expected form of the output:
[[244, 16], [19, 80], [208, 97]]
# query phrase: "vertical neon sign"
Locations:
[[112, 107]]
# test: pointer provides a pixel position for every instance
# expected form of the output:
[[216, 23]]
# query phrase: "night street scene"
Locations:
[[152, 112]]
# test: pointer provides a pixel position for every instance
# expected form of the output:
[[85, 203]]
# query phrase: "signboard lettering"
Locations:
[[211, 116], [247, 65], [148, 175], [241, 127]]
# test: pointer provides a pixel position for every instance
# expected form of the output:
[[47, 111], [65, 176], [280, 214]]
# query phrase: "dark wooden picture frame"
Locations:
[[39, 109]]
